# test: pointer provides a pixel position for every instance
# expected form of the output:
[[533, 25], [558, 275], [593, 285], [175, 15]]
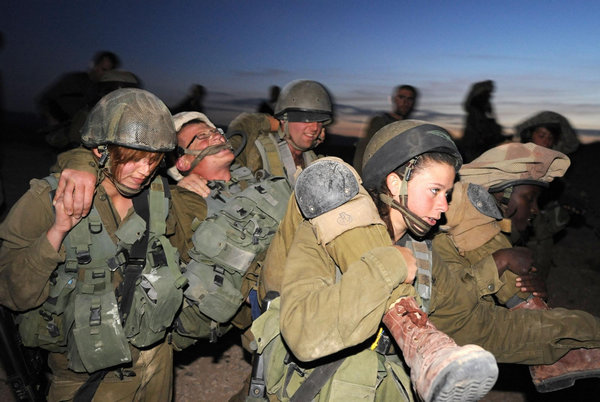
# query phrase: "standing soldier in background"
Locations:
[[282, 144], [482, 132], [59, 102], [404, 98]]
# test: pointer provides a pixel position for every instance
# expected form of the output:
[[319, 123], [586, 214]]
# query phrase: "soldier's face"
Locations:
[[522, 206], [304, 135], [428, 190], [134, 174], [543, 137], [198, 137], [404, 100]]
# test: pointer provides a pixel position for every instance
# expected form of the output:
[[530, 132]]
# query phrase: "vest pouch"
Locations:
[[39, 328], [215, 290], [270, 345], [212, 242], [158, 297], [98, 334], [46, 326]]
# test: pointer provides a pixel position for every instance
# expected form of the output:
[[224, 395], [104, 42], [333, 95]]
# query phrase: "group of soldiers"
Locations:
[[162, 231]]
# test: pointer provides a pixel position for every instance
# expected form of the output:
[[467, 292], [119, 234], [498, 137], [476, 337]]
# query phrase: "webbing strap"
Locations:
[[137, 255], [86, 392], [315, 381], [267, 147]]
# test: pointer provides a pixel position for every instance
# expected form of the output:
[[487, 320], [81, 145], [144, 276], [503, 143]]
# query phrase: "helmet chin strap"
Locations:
[[414, 223], [210, 150], [105, 167]]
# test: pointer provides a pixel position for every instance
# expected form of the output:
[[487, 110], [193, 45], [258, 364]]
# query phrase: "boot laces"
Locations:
[[414, 314]]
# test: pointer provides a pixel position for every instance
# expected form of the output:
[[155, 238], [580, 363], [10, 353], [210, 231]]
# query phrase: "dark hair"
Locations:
[[419, 165], [554, 129], [405, 86], [105, 54]]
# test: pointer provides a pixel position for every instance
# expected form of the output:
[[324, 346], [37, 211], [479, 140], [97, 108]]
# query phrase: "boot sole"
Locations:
[[469, 377], [564, 381]]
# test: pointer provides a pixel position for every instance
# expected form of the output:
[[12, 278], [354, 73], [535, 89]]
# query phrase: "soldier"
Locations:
[[99, 292], [283, 144], [472, 272], [63, 99], [550, 130], [404, 98], [339, 275], [210, 194]]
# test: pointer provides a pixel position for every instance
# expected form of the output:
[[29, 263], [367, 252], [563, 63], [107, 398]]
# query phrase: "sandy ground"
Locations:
[[215, 372]]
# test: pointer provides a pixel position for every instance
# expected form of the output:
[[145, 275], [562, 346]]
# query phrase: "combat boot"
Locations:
[[575, 365], [439, 369]]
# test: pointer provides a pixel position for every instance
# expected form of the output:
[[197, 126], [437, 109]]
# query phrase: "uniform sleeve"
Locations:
[[321, 316], [77, 159], [187, 207], [253, 125], [26, 257]]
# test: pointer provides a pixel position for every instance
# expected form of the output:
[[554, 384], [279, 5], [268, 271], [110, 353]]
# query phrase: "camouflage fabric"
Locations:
[[515, 163], [567, 142], [132, 118]]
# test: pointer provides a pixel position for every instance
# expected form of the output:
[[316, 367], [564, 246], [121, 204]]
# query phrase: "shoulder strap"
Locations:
[[269, 152]]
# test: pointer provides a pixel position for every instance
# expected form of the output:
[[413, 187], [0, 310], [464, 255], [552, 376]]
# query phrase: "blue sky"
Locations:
[[542, 55]]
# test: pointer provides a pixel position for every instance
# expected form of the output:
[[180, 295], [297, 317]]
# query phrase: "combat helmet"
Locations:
[[400, 144], [304, 101], [132, 118]]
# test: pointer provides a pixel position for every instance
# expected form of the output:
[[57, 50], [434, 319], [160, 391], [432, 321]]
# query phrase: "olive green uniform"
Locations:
[[463, 306], [323, 313], [26, 262], [258, 126]]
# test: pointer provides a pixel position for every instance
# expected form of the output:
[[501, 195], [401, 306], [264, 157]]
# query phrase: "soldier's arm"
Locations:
[[78, 180], [27, 258]]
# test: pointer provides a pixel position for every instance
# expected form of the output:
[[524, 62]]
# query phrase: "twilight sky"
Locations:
[[542, 55]]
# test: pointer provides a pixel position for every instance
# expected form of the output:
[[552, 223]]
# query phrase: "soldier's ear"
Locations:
[[182, 164], [393, 182]]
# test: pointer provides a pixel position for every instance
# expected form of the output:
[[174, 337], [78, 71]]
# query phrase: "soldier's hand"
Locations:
[[76, 191], [411, 264], [533, 283], [516, 259], [195, 183], [63, 223]]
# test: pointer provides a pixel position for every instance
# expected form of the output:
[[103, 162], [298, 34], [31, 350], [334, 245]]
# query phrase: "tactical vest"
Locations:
[[277, 158], [82, 315], [242, 218]]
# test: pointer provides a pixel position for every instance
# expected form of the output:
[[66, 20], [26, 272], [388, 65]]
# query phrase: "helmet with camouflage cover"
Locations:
[[304, 101], [398, 143], [401, 144], [132, 118]]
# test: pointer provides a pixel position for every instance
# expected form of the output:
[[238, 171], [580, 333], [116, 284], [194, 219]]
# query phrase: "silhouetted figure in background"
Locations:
[[62, 100], [268, 106], [482, 132], [193, 102], [110, 81], [404, 98]]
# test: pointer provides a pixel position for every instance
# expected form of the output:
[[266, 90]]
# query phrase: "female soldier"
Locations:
[[342, 273], [101, 290]]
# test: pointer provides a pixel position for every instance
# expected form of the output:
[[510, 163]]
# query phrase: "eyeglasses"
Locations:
[[205, 136]]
